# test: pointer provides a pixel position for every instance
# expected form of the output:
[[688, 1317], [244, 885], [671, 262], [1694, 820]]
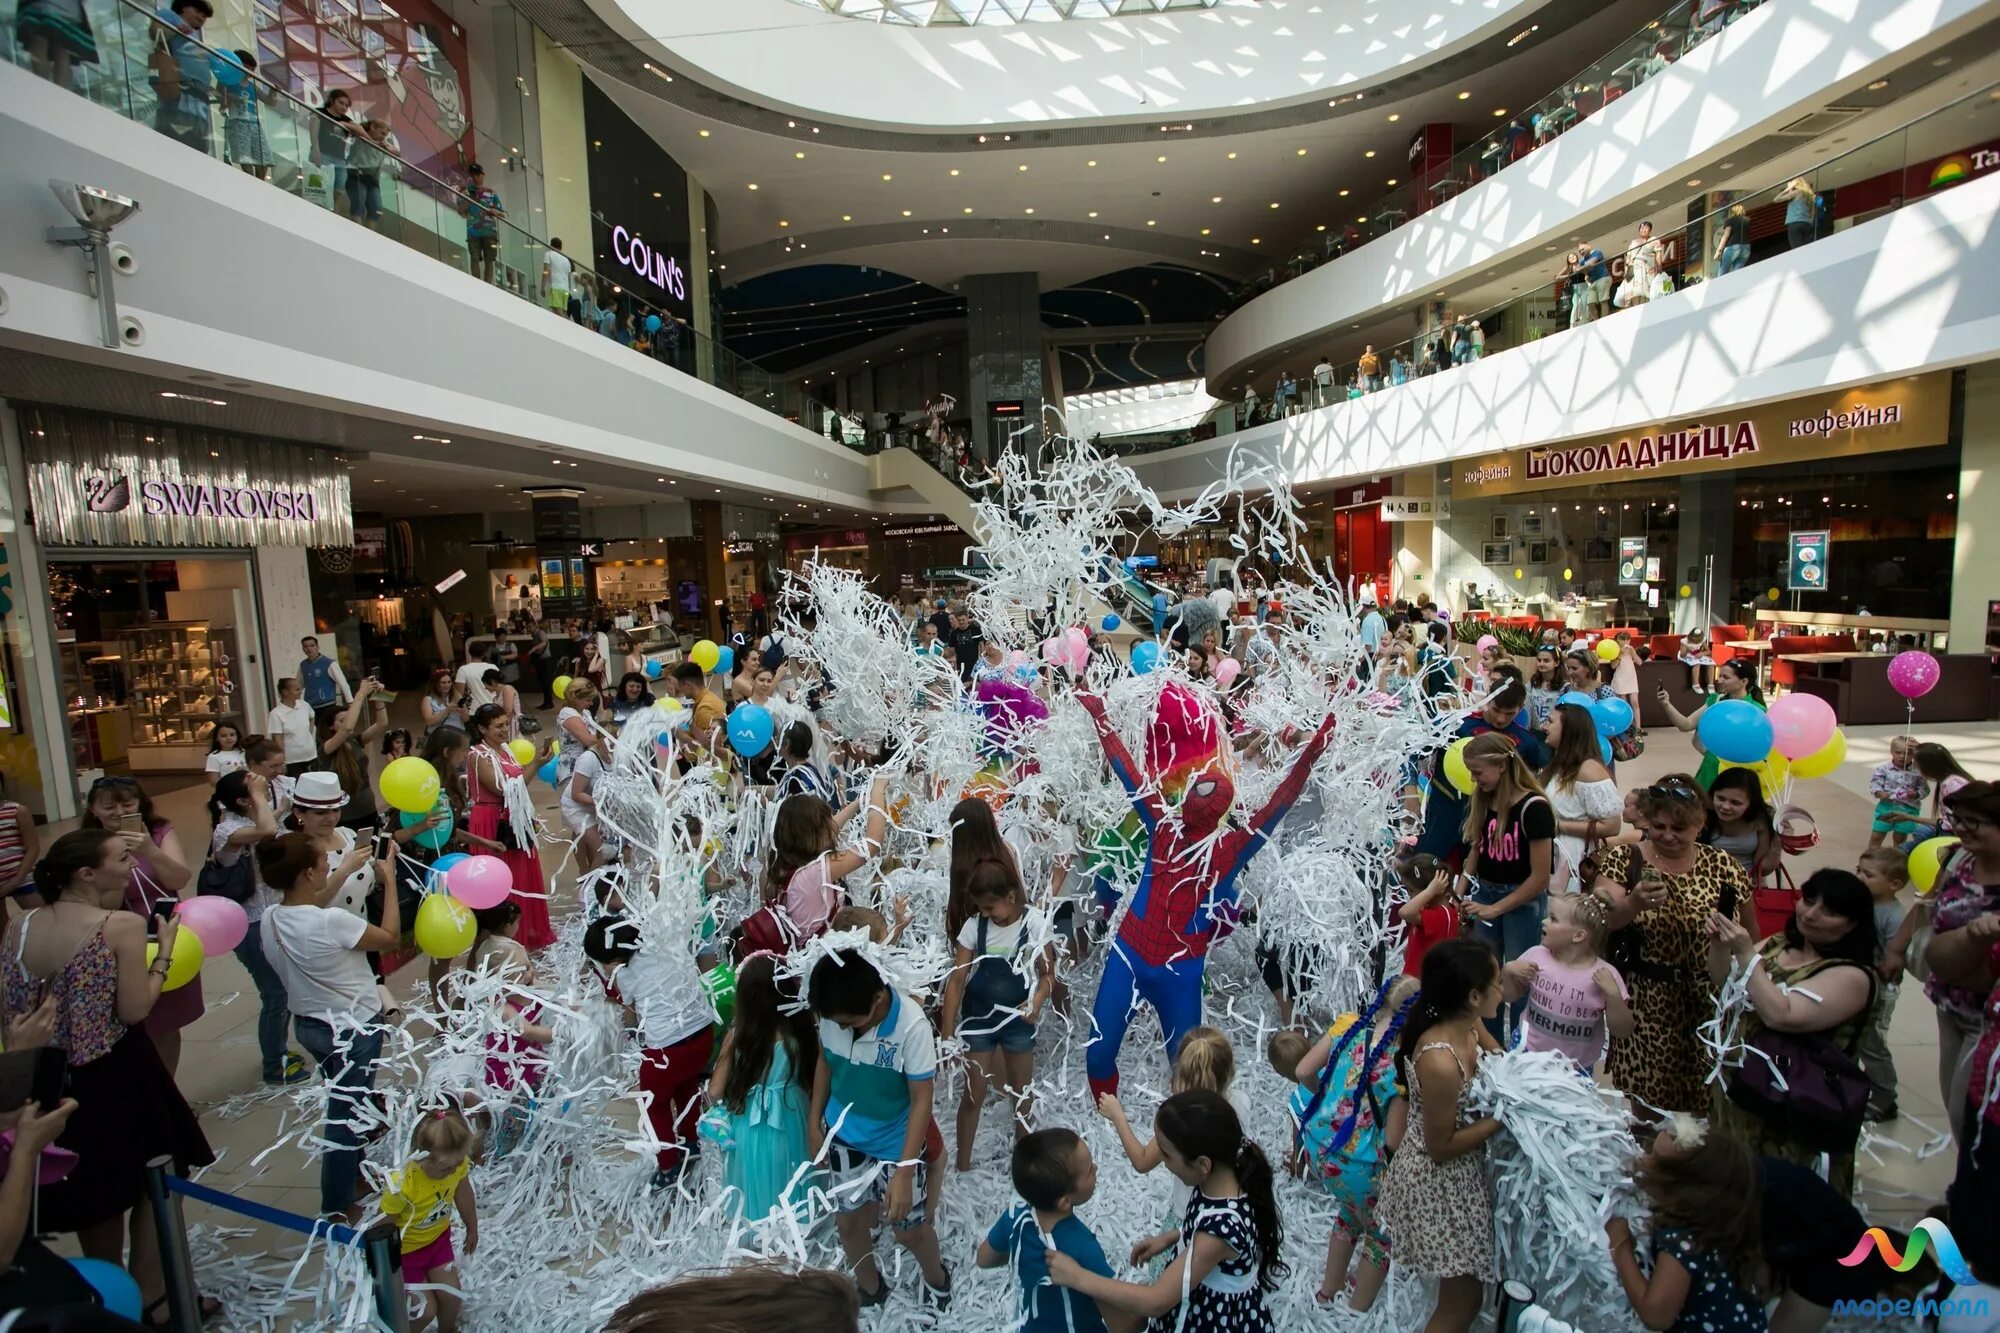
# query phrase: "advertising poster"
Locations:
[[1805, 567], [1631, 561]]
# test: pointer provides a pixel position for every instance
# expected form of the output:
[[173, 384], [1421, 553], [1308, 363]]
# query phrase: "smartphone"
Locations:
[[385, 845], [32, 1076], [386, 696], [131, 822]]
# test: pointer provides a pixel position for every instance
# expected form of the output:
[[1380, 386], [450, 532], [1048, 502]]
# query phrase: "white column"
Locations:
[[1975, 558]]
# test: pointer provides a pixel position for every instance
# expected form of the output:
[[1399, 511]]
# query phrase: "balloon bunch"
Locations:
[[1796, 737]]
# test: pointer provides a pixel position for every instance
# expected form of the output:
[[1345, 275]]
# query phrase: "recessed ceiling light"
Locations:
[[1499, 110], [1464, 96], [1320, 227], [704, 134], [847, 217], [906, 212], [1274, 203], [1694, 182], [1093, 214], [783, 223], [954, 171], [1204, 231], [1302, 152], [1232, 157], [1343, 194], [1878, 85], [968, 210], [1215, 199], [1022, 167], [1392, 180], [1091, 163], [1394, 117], [1161, 158], [1027, 210], [753, 185], [799, 155], [886, 176], [1256, 240]]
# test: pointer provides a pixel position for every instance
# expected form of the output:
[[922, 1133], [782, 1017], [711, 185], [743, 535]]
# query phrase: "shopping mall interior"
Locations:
[[1647, 318]]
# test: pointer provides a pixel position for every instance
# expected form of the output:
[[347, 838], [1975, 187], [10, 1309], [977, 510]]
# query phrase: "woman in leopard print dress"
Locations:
[[1665, 887]]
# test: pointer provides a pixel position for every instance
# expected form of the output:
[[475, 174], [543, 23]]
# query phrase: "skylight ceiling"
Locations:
[[941, 13]]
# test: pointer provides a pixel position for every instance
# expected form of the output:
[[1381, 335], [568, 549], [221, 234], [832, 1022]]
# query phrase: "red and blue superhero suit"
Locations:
[[1188, 880]]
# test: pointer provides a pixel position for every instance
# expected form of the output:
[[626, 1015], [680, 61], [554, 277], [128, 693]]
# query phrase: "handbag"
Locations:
[[1624, 948], [164, 71], [235, 882], [1627, 745], [1808, 1089]]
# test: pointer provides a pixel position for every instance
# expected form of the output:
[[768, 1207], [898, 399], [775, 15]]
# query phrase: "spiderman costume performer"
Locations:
[[1188, 880]]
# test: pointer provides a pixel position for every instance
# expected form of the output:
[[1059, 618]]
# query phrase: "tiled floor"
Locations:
[[1907, 1166]]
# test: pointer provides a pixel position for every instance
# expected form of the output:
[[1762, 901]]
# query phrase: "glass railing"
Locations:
[[235, 115], [1519, 132], [1745, 228]]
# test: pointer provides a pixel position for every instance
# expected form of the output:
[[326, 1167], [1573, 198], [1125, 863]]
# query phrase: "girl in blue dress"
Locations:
[[760, 1091]]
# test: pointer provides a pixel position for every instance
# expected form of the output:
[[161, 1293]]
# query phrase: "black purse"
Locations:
[[1625, 947], [234, 882]]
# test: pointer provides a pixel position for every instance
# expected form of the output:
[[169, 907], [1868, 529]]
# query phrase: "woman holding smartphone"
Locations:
[[161, 873], [89, 956]]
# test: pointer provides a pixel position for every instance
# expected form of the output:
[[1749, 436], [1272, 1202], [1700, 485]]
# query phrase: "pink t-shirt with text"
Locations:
[[1565, 1010], [812, 898]]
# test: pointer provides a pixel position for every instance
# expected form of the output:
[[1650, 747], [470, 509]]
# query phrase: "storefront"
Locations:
[[1707, 519], [911, 551], [175, 563]]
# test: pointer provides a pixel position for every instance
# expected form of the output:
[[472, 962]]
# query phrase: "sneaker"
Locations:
[[936, 1298], [295, 1071], [1880, 1115], [878, 1296]]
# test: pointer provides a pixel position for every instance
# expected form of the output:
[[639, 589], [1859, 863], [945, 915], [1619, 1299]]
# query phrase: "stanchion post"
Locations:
[[382, 1245], [183, 1300]]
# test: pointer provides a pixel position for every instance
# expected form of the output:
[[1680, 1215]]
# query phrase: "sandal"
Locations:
[[210, 1308]]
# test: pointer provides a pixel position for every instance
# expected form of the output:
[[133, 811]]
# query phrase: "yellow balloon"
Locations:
[[186, 962], [1686, 591], [1927, 860], [522, 749], [444, 926], [409, 784], [1770, 773], [1773, 594], [705, 654], [1568, 574], [560, 686], [1823, 760], [1518, 574], [1607, 650], [1455, 771]]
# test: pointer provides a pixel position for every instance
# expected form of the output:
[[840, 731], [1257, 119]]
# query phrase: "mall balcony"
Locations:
[[242, 277]]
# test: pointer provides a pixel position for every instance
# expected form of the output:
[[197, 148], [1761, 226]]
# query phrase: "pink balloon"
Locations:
[[1801, 724], [217, 922], [1078, 645], [1486, 641], [1052, 650], [1914, 673], [1226, 671], [480, 881]]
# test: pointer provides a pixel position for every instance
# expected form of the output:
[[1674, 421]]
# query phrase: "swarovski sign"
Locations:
[[662, 270]]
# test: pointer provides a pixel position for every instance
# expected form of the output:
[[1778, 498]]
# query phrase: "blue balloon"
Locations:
[[750, 729], [229, 72], [431, 839], [547, 772], [1145, 656], [434, 877], [1614, 716], [1604, 751], [654, 669], [118, 1288], [652, 323], [1587, 702], [1735, 732], [725, 661], [1111, 623]]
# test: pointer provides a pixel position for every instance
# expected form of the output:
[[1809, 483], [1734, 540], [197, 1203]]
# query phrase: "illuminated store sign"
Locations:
[[662, 270]]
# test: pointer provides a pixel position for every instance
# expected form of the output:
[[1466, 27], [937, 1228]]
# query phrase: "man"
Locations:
[[1371, 370], [1260, 652], [965, 640], [291, 725], [483, 212], [1323, 379], [472, 679], [1444, 809], [941, 622], [183, 112], [557, 273], [541, 662], [691, 687], [1599, 274], [1372, 629], [320, 676], [927, 640], [1250, 405]]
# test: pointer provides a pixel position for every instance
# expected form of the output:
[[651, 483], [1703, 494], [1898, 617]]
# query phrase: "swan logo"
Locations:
[[1929, 1232], [107, 495]]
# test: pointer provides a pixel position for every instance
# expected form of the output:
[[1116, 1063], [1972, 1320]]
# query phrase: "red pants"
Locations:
[[674, 1075]]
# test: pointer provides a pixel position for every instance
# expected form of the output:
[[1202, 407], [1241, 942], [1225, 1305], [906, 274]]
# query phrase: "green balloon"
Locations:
[[720, 983], [1120, 850]]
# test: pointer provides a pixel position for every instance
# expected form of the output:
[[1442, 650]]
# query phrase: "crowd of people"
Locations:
[[1530, 904]]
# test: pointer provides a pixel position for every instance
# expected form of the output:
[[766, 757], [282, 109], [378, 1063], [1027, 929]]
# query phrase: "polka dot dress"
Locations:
[[1228, 1299], [1715, 1303]]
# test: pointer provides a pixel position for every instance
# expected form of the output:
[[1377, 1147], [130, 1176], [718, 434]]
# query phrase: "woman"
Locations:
[[87, 955], [1830, 942], [503, 817], [1643, 263], [1667, 886], [321, 955], [1732, 241], [1801, 211], [632, 661], [160, 875], [1734, 679], [241, 813], [633, 697], [343, 748], [796, 771], [590, 663], [1587, 804], [351, 881], [1967, 891], [1509, 837], [441, 705], [576, 730]]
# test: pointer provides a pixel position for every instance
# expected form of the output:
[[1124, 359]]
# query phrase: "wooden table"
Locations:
[[1819, 660], [1761, 647]]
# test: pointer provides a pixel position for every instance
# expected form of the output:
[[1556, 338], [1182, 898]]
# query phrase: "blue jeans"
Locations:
[[1733, 258], [273, 1015], [1511, 936], [350, 1079]]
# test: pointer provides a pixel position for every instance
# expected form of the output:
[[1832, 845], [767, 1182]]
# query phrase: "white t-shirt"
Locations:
[[1323, 373], [325, 976], [559, 267], [582, 818], [223, 762], [293, 725], [470, 679], [1001, 941], [666, 1015]]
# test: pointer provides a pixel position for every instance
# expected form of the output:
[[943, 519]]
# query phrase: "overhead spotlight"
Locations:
[[1463, 97], [887, 176], [1369, 153], [1394, 117]]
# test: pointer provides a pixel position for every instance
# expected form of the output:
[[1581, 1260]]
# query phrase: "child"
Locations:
[[1226, 1247], [989, 993], [676, 1020], [1885, 870], [1740, 823], [1430, 911], [1207, 1063], [760, 1090], [1053, 1172], [1946, 775], [225, 753], [802, 879], [420, 1198], [872, 1091], [1697, 657], [1545, 686], [1573, 995], [1351, 1115], [1435, 1199], [513, 1056], [1707, 1231], [1625, 673], [1899, 791]]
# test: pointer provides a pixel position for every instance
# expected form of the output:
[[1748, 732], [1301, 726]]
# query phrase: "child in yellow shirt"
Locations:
[[420, 1197]]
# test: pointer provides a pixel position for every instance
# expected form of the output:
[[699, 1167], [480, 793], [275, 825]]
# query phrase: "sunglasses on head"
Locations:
[[1673, 789], [102, 783]]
